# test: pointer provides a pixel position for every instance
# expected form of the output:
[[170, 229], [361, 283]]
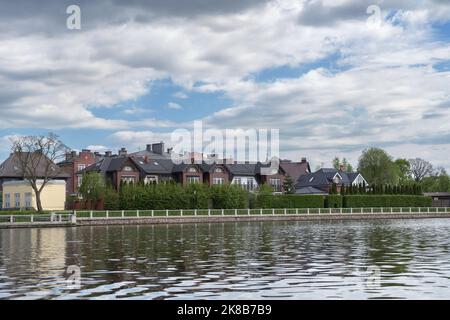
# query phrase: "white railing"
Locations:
[[56, 218], [120, 214]]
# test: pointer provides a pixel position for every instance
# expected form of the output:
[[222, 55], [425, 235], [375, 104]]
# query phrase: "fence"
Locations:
[[55, 218], [250, 212]]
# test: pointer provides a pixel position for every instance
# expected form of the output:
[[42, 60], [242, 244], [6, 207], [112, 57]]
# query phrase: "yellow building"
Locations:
[[20, 195]]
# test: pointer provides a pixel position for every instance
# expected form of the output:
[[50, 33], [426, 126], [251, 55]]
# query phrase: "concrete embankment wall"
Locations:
[[310, 217]]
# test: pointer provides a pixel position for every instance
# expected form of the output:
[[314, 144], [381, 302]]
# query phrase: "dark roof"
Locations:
[[309, 190], [295, 169], [162, 166], [324, 177], [243, 169], [100, 166], [10, 167]]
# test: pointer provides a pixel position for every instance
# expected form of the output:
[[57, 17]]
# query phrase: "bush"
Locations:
[[289, 201], [229, 197], [111, 199], [333, 201], [360, 201]]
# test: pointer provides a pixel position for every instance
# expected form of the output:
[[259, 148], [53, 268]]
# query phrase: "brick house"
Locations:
[[115, 168], [215, 174], [74, 163]]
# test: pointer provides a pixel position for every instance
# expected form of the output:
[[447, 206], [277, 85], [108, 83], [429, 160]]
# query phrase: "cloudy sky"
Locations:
[[330, 75]]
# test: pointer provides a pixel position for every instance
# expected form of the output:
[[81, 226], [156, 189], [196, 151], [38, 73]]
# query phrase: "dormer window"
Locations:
[[127, 168], [218, 170], [192, 169]]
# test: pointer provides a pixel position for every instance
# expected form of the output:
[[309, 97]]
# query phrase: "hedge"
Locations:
[[333, 201], [174, 196], [289, 201], [361, 201]]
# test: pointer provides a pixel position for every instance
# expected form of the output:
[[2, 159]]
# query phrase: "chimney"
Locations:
[[169, 150], [73, 154], [122, 151], [108, 154], [86, 150], [96, 153], [146, 159], [148, 148], [341, 167], [158, 148], [303, 159]]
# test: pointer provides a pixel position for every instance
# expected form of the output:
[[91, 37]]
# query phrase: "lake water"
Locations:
[[368, 259]]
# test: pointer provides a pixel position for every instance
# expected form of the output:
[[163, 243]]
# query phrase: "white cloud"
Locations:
[[180, 95], [173, 105], [381, 88]]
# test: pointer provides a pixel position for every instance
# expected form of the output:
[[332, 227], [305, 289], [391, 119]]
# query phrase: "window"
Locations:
[[79, 180], [192, 169], [81, 167], [275, 183], [127, 179], [28, 200], [237, 181], [127, 168], [151, 179], [250, 184], [7, 200], [218, 170], [218, 180], [192, 179], [16, 200]]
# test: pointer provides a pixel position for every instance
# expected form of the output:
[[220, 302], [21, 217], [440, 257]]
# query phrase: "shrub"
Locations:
[[360, 201], [333, 201], [289, 201]]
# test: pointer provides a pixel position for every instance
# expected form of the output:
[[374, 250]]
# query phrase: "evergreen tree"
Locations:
[[333, 189], [343, 190], [288, 185]]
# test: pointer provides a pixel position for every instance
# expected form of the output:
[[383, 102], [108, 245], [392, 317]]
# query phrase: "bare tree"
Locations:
[[420, 169], [35, 158]]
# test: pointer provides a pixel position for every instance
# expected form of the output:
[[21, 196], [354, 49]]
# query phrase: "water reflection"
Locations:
[[245, 260]]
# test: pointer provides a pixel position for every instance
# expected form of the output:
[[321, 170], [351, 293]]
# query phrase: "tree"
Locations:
[[288, 185], [420, 169], [337, 164], [439, 182], [377, 167], [35, 158], [92, 186], [333, 188], [403, 171]]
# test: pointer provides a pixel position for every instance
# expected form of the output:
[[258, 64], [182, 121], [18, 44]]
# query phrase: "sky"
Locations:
[[334, 76]]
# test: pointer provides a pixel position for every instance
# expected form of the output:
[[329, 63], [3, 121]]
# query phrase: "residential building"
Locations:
[[19, 195], [10, 169], [74, 163], [321, 181]]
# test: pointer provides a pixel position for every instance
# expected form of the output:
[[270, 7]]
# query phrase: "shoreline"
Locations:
[[227, 218]]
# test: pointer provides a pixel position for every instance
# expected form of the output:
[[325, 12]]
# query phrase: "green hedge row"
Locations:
[[361, 201], [198, 196], [174, 196], [289, 201]]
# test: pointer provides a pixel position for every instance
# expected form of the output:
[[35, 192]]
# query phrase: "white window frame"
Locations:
[[17, 199], [218, 180], [193, 179], [81, 167], [7, 200], [128, 179], [150, 179], [28, 199]]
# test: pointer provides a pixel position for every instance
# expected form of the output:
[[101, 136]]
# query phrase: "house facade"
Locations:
[[321, 181], [75, 162], [18, 195]]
